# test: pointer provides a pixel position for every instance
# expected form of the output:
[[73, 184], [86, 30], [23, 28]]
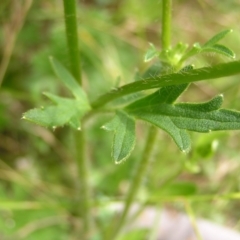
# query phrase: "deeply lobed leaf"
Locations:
[[66, 111], [48, 117], [159, 110]]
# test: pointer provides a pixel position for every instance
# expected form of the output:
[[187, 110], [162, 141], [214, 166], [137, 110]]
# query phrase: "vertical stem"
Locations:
[[81, 160], [166, 24], [137, 179], [192, 218], [72, 38], [84, 186]]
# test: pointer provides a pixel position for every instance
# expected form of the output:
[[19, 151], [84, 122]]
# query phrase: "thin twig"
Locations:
[[12, 29]]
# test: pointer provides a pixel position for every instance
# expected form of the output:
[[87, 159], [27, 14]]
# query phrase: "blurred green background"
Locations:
[[37, 169]]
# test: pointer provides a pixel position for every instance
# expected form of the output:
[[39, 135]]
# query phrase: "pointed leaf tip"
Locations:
[[66, 111], [151, 53], [159, 109], [123, 144], [68, 80], [216, 38]]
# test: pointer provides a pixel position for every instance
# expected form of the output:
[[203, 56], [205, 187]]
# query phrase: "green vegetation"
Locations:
[[58, 174]]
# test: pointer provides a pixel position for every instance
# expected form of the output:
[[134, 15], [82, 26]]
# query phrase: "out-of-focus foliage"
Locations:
[[37, 170]]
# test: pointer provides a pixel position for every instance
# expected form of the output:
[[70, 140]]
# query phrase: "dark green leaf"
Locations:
[[159, 110], [124, 136], [154, 70], [163, 95], [144, 109]]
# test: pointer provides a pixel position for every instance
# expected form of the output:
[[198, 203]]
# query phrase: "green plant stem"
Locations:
[[137, 179], [84, 186], [79, 137], [166, 23], [192, 218], [205, 73], [70, 13]]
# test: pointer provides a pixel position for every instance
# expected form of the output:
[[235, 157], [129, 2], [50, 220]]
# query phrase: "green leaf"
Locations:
[[221, 49], [68, 80], [47, 117], [159, 110], [206, 117], [143, 109], [210, 46], [124, 136], [163, 95], [66, 111], [180, 136], [216, 38], [151, 53]]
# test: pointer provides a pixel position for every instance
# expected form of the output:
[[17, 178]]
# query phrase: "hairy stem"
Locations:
[[205, 73], [81, 160], [137, 179], [166, 23]]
